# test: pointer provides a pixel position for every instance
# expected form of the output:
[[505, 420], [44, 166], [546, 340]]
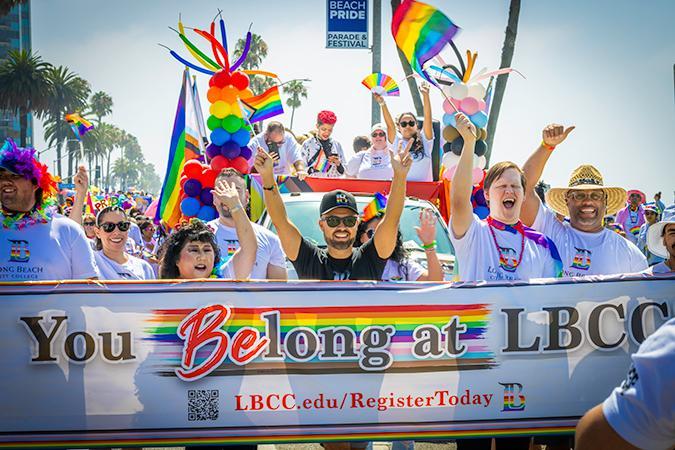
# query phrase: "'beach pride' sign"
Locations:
[[163, 363]]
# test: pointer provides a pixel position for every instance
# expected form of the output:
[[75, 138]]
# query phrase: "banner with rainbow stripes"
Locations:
[[170, 363]]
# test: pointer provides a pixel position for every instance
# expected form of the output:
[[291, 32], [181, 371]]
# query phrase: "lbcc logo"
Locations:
[[19, 251], [514, 400]]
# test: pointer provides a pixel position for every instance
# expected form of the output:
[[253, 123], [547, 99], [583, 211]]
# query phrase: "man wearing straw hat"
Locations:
[[585, 246], [661, 241]]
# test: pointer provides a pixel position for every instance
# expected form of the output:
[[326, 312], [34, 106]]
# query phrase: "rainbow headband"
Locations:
[[21, 161]]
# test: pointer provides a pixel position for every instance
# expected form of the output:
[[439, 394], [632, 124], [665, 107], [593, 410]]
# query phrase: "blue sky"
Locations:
[[605, 66]]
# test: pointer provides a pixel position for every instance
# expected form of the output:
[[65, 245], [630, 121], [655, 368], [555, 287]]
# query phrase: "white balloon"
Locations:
[[446, 90], [459, 91], [449, 160], [482, 162], [477, 91]]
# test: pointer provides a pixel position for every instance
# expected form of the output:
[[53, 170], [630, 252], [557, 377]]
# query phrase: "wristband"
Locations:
[[429, 246], [235, 209], [547, 147], [269, 188]]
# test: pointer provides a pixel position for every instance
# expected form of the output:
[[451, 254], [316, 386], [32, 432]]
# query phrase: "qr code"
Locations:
[[202, 404]]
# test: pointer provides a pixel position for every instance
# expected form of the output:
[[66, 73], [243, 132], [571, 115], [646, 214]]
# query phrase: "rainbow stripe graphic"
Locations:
[[635, 230], [421, 31], [582, 259], [510, 396], [381, 84], [263, 106], [161, 328], [321, 164]]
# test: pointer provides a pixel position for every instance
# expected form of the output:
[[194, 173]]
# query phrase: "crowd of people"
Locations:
[[522, 238]]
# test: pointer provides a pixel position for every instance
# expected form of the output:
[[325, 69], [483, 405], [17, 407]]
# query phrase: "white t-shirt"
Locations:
[[421, 166], [642, 409], [478, 257], [269, 247], [661, 267], [583, 254], [135, 234], [312, 146], [133, 269], [371, 164], [394, 271], [56, 250], [289, 153]]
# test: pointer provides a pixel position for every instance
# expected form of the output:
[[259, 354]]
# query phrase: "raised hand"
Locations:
[[401, 161], [465, 128], [379, 99], [427, 229], [555, 134], [264, 163], [81, 180], [424, 88], [227, 195]]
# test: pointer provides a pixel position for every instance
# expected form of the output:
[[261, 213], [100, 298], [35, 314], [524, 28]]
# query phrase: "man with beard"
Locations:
[[339, 220], [270, 261], [586, 248]]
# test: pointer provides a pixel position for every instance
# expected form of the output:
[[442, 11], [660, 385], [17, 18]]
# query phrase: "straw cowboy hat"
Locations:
[[585, 177], [654, 234]]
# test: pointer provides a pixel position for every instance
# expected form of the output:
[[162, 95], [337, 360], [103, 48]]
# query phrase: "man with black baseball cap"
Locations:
[[339, 220]]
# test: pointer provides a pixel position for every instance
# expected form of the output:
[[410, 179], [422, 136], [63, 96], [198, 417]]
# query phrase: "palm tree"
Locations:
[[7, 5], [23, 87], [256, 54], [99, 144], [295, 90], [124, 170], [500, 86], [412, 84], [100, 105], [68, 93]]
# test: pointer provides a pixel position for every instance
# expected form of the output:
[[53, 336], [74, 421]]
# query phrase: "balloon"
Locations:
[[482, 212], [477, 91], [220, 109], [230, 150], [449, 160], [459, 91], [239, 80], [213, 94], [206, 196], [449, 173], [450, 133], [240, 164], [477, 175], [209, 178], [229, 94], [235, 109], [241, 137], [246, 93], [482, 134], [231, 123], [447, 107], [212, 150], [449, 120], [192, 168], [207, 213], [482, 105], [183, 179], [479, 196], [482, 162], [219, 163], [220, 79], [213, 122], [192, 187], [457, 145], [479, 119], [480, 148], [469, 106], [447, 147], [245, 153], [190, 207], [219, 136]]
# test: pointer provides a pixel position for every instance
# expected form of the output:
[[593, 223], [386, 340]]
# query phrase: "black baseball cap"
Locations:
[[337, 199]]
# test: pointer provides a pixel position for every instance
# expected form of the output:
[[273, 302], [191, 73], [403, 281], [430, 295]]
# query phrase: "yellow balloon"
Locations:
[[219, 109], [235, 109]]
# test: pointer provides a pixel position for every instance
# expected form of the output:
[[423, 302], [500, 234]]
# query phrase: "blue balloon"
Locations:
[[480, 198], [207, 213], [219, 136], [212, 150], [457, 145], [206, 196], [479, 119], [449, 119], [230, 149], [189, 206], [241, 137], [480, 148], [481, 211], [245, 153], [192, 187]]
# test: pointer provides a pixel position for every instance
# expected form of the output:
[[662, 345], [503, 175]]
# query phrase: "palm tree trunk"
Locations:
[[412, 84], [292, 116], [59, 145], [23, 125], [500, 86]]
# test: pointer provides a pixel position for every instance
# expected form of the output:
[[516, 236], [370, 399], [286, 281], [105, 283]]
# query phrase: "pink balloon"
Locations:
[[477, 175], [470, 106], [447, 107], [449, 173], [481, 105]]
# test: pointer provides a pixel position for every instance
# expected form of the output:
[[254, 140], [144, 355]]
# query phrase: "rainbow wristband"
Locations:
[[429, 246], [547, 147]]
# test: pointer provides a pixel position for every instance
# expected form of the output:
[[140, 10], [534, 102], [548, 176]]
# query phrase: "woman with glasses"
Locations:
[[373, 163], [89, 224], [114, 263], [405, 129]]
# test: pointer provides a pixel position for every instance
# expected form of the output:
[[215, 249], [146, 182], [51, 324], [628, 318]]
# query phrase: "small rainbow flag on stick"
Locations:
[[421, 31], [376, 206], [263, 106], [80, 125], [321, 164]]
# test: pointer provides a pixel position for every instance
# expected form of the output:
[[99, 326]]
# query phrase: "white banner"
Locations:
[[159, 363]]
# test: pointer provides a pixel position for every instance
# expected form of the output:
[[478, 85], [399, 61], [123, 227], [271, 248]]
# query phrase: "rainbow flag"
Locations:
[[263, 106], [79, 125], [421, 31], [321, 164], [372, 209], [185, 145]]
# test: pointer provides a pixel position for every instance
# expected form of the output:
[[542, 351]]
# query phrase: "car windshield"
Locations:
[[305, 215]]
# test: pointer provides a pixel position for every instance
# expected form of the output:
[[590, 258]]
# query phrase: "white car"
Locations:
[[303, 210]]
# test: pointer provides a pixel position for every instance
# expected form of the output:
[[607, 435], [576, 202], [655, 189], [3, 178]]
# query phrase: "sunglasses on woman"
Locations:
[[334, 221], [109, 227], [409, 123], [89, 224], [377, 134]]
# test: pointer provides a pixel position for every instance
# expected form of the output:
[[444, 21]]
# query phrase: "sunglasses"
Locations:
[[409, 123], [579, 196], [89, 224], [377, 134], [109, 227], [334, 221]]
